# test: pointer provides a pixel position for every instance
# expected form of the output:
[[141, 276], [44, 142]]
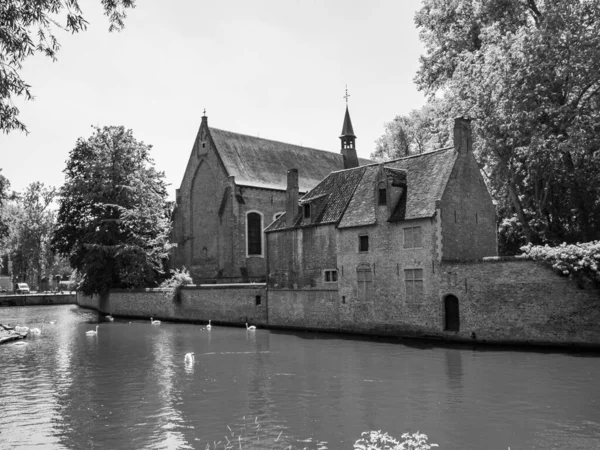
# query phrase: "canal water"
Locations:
[[128, 387]]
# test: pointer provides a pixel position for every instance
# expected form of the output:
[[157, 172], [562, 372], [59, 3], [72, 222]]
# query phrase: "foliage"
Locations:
[[376, 440], [578, 261], [529, 72], [421, 131], [113, 222], [172, 285], [31, 222], [29, 27], [4, 186]]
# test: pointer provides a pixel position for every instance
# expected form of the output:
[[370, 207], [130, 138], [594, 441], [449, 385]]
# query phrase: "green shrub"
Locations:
[[172, 286], [578, 261]]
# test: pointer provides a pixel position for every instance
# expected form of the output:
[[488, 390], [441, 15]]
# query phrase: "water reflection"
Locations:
[[129, 387]]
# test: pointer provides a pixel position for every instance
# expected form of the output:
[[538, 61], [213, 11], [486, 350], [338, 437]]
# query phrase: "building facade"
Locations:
[[233, 187], [371, 242]]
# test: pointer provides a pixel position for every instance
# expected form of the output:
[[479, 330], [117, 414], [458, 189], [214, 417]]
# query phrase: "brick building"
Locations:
[[233, 187], [368, 244]]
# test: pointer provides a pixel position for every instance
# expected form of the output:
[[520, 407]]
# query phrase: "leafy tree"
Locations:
[[113, 220], [28, 27], [423, 130], [4, 186], [31, 220], [529, 72]]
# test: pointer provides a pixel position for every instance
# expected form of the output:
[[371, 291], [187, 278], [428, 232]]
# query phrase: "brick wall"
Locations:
[[520, 301], [297, 258], [209, 223], [222, 304], [468, 214]]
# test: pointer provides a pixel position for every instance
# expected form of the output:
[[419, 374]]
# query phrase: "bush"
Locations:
[[580, 262], [172, 286], [376, 440]]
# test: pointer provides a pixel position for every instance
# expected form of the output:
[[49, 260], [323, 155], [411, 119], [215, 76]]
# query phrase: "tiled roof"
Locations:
[[350, 194], [263, 163], [426, 178], [335, 191]]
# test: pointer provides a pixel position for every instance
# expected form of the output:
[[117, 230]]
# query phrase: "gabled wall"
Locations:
[[468, 225], [209, 223]]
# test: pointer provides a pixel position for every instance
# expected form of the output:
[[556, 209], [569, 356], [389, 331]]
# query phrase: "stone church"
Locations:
[[233, 187]]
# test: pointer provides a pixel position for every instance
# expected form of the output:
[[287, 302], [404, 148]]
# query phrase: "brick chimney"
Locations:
[[291, 192], [463, 141]]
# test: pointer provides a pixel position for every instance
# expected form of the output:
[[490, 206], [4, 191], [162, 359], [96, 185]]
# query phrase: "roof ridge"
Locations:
[[419, 154]]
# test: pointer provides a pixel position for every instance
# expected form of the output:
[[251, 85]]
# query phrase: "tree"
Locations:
[[528, 71], [4, 186], [423, 130], [31, 221], [113, 219], [28, 27]]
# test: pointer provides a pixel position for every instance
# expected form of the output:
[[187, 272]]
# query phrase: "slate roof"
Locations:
[[426, 177], [262, 163], [351, 193], [347, 129], [335, 191]]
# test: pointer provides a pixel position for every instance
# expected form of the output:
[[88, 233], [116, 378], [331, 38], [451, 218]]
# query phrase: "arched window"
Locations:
[[254, 237], [451, 314]]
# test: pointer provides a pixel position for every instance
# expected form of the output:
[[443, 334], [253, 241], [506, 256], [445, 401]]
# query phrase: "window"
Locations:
[[363, 243], [257, 300], [330, 276], [412, 237], [451, 314], [413, 279], [364, 278], [382, 196], [307, 210], [254, 233]]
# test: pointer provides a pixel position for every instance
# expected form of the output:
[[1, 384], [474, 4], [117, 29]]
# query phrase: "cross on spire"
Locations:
[[347, 95], [204, 113]]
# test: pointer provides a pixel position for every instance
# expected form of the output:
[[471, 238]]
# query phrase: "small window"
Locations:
[[412, 237], [330, 276], [254, 234], [204, 145], [413, 280], [257, 300], [382, 196], [363, 243], [307, 210]]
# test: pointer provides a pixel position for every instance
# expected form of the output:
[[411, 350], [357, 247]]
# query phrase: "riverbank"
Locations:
[[504, 313], [38, 299]]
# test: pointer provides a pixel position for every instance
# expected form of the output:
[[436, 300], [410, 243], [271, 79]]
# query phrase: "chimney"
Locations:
[[463, 141], [291, 192]]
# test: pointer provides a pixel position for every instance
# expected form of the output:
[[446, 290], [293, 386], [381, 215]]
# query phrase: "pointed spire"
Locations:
[[347, 129]]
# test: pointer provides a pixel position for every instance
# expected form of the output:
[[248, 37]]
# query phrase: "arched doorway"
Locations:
[[451, 314]]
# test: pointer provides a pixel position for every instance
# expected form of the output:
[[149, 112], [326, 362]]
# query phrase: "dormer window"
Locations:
[[307, 210]]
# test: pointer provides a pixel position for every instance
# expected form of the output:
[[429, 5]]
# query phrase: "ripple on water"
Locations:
[[128, 387]]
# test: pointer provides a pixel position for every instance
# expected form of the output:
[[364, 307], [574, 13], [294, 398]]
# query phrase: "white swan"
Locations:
[[35, 331], [189, 358], [251, 327], [20, 329], [110, 318], [209, 326], [154, 322], [92, 332], [53, 322]]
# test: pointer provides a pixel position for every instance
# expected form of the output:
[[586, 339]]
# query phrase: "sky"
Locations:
[[276, 69]]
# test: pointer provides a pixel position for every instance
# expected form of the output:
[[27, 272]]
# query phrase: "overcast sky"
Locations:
[[275, 69]]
